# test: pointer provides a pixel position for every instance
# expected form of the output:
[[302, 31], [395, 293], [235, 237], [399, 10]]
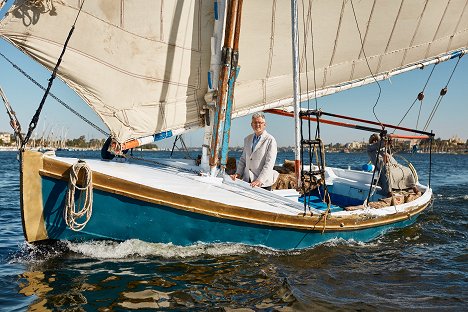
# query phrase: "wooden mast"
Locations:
[[231, 40]]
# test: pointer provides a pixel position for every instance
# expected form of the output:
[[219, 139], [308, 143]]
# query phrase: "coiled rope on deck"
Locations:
[[73, 214]]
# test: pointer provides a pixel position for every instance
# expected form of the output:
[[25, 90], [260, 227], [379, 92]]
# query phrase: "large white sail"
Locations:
[[385, 35], [142, 64]]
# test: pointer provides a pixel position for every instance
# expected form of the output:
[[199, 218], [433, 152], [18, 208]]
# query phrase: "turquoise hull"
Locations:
[[120, 218]]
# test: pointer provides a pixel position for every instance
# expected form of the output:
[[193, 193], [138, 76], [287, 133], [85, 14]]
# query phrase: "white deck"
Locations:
[[185, 180], [179, 181]]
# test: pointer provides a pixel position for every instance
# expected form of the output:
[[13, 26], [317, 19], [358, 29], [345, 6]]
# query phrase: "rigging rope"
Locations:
[[54, 96], [443, 92], [72, 214], [35, 118], [420, 97], [312, 148], [368, 66], [182, 148]]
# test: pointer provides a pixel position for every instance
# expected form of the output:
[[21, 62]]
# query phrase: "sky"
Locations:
[[396, 97]]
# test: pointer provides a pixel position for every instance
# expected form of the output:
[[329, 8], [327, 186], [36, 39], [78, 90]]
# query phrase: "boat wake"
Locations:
[[138, 248], [453, 198], [134, 248], [35, 253]]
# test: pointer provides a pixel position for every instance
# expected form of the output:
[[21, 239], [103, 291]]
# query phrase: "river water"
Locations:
[[422, 267]]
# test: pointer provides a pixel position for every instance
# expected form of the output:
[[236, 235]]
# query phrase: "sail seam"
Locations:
[[161, 23], [272, 39], [338, 30], [308, 22], [458, 24], [361, 51], [397, 18], [414, 33], [114, 67], [122, 13], [437, 31], [139, 36]]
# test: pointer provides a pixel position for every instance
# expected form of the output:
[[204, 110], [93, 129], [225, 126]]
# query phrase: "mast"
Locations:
[[213, 74], [233, 15], [297, 107]]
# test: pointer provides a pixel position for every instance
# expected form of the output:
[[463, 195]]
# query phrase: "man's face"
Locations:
[[258, 125]]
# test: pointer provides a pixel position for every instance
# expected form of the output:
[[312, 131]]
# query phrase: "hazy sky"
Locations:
[[396, 97]]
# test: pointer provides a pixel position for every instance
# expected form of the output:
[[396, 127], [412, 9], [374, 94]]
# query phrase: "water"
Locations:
[[422, 267]]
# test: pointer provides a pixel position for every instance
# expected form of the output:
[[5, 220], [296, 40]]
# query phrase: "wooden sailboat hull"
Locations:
[[127, 210]]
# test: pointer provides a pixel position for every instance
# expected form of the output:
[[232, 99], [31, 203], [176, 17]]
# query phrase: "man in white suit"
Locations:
[[259, 156]]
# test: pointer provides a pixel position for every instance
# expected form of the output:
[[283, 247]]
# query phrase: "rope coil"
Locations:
[[72, 213]]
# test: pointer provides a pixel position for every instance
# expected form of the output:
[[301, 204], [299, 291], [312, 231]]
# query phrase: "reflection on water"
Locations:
[[71, 280]]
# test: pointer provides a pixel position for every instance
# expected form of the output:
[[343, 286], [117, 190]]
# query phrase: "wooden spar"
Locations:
[[355, 126], [14, 122], [220, 113], [409, 137], [297, 107], [377, 123]]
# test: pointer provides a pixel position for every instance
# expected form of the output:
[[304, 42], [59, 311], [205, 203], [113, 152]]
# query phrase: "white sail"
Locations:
[[142, 64], [392, 35]]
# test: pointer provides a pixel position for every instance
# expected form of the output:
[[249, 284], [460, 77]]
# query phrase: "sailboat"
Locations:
[[154, 69]]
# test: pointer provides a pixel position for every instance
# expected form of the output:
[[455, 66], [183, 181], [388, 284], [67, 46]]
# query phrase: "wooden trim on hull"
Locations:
[[59, 170], [31, 196]]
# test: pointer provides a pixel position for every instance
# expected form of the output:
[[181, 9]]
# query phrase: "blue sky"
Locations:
[[397, 96]]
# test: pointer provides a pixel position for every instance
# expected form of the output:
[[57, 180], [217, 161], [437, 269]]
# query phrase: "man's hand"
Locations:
[[234, 176], [256, 183]]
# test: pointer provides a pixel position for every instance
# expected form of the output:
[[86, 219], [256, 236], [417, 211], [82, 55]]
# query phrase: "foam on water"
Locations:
[[452, 198], [32, 253], [134, 247], [349, 242], [138, 248]]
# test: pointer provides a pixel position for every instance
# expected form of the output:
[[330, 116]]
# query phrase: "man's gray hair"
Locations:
[[258, 115]]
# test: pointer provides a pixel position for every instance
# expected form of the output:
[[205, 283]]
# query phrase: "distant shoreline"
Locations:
[[281, 150]]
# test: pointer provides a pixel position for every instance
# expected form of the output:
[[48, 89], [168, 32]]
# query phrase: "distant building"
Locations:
[[354, 145], [5, 137], [455, 140], [406, 144]]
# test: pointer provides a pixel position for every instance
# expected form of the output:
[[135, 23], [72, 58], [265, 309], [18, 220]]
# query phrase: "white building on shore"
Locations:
[[5, 137]]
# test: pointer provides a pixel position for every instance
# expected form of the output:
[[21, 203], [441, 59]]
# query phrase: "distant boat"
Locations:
[[152, 71]]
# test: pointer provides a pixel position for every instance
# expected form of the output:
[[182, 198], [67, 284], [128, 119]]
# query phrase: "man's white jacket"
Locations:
[[258, 164]]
